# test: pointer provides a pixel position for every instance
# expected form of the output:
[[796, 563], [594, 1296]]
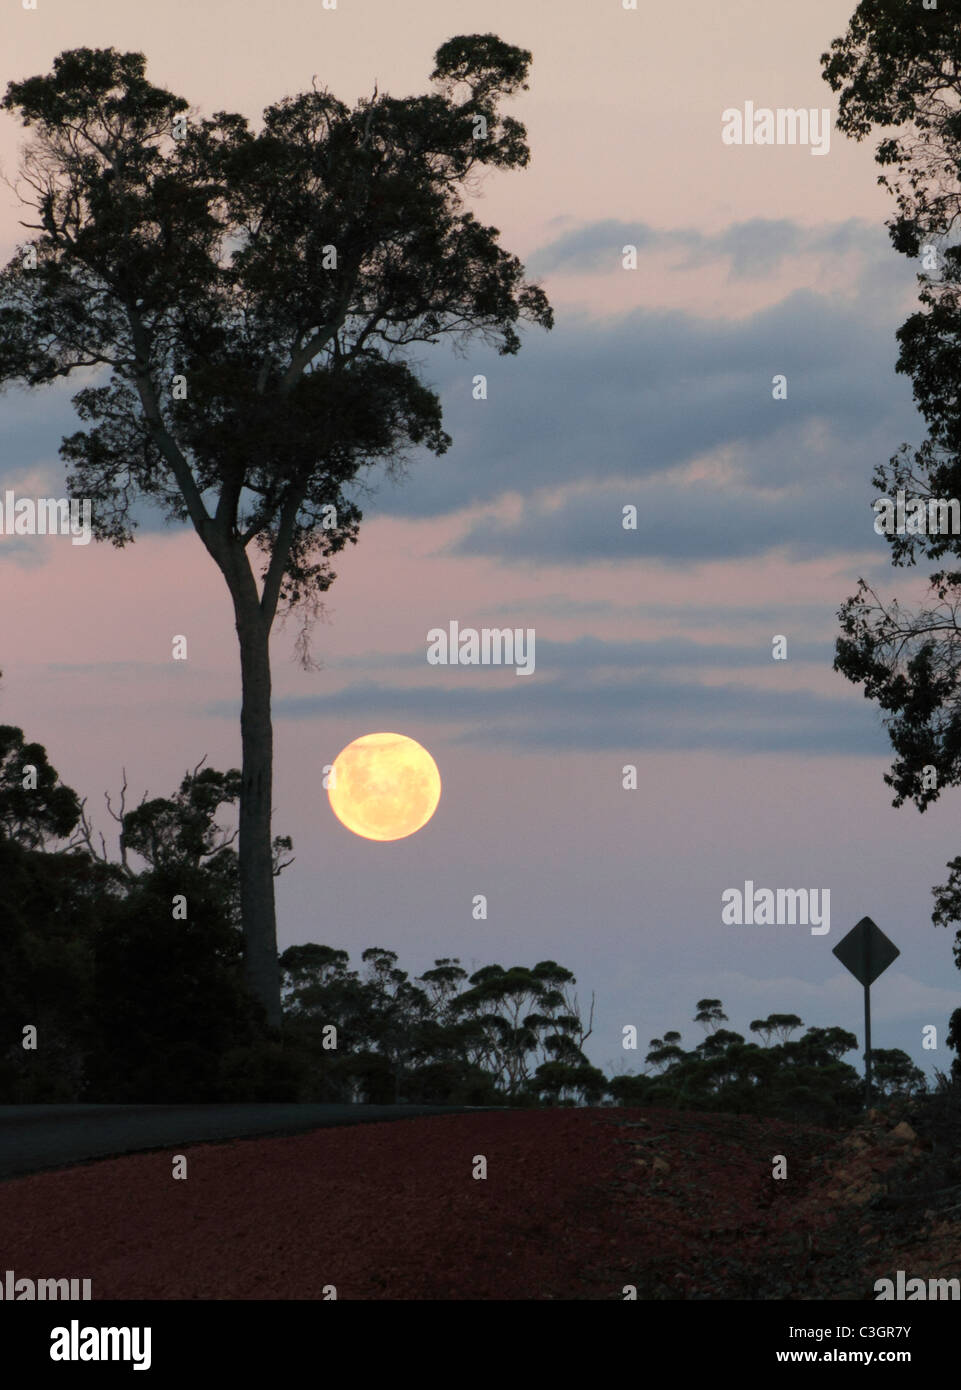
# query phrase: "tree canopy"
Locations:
[[898, 71], [249, 299]]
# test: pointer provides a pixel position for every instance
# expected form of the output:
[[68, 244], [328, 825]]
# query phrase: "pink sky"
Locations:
[[623, 120]]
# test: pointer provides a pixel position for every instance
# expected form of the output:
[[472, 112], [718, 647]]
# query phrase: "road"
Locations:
[[36, 1138]]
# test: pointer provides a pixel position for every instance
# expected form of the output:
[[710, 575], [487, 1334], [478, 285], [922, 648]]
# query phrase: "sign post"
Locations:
[[867, 1047], [867, 953]]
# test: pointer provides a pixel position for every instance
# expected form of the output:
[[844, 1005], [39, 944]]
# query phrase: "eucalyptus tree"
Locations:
[[246, 301], [898, 72]]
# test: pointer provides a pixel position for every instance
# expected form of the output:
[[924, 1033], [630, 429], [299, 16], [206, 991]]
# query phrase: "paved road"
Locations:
[[34, 1138]]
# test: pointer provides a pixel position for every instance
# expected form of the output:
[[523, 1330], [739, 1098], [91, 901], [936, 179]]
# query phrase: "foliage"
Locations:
[[896, 69], [130, 1001], [250, 299], [498, 1037], [799, 1080], [894, 1074]]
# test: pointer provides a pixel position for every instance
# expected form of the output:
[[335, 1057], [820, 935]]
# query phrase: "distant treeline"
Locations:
[[121, 981]]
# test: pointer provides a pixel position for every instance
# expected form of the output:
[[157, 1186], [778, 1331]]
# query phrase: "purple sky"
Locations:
[[654, 646]]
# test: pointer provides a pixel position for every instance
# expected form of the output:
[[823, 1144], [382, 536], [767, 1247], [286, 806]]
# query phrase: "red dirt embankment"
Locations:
[[576, 1204]]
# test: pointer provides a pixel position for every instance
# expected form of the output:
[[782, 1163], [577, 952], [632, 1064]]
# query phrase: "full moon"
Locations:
[[384, 786]]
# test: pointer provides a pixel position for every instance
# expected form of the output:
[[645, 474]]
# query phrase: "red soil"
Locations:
[[576, 1204]]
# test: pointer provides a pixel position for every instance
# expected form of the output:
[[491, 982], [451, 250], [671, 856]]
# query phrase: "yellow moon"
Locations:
[[384, 786]]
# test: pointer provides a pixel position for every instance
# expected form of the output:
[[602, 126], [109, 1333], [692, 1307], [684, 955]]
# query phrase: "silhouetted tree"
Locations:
[[894, 1073], [710, 1014], [252, 298], [802, 1079], [954, 1042], [35, 807], [517, 1019], [170, 1002], [498, 1036], [896, 69], [54, 898], [777, 1026], [564, 1083], [129, 968], [662, 1052]]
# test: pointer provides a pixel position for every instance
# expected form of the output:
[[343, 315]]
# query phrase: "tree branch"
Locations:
[[162, 438], [278, 558], [305, 354]]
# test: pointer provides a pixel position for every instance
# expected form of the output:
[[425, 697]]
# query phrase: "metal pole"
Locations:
[[867, 1045]]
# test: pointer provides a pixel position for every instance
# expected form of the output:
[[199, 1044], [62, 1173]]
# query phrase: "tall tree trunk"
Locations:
[[255, 848]]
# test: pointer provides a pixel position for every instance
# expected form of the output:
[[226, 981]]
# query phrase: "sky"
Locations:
[[653, 646]]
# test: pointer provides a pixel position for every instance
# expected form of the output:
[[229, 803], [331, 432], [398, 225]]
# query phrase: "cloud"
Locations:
[[636, 398], [583, 695], [754, 249], [35, 422], [679, 523], [596, 246], [647, 394], [589, 653], [728, 615]]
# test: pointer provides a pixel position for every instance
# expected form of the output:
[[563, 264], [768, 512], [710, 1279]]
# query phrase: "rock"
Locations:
[[904, 1132]]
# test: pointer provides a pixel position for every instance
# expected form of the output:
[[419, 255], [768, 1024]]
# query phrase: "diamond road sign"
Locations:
[[866, 951]]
